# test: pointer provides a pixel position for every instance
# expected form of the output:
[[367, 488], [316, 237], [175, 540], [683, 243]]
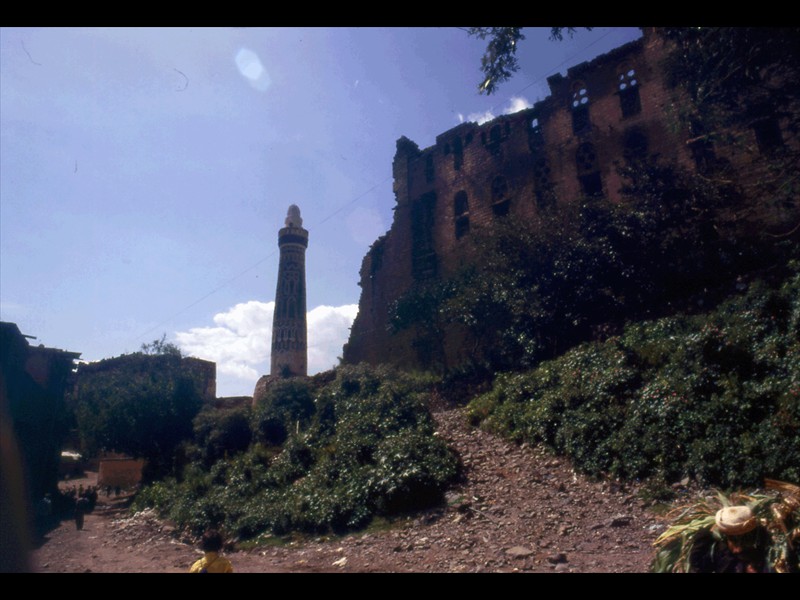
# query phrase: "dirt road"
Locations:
[[519, 510]]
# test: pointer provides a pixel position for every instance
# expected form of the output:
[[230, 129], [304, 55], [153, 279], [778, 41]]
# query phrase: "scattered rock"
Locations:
[[519, 552], [620, 521]]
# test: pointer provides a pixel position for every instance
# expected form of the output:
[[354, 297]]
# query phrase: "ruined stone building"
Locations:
[[516, 167], [203, 373]]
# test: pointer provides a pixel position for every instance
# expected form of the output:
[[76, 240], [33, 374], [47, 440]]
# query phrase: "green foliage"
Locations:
[[499, 61], [287, 406], [714, 396], [718, 66], [161, 347], [137, 404], [358, 446], [536, 290], [738, 78], [220, 433]]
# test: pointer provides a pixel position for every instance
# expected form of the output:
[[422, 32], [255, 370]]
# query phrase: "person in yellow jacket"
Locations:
[[212, 562]]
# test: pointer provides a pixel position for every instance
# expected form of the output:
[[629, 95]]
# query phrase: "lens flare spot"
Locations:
[[250, 67]]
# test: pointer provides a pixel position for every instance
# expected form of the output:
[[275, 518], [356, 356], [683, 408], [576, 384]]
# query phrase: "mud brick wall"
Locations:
[[510, 170], [120, 472]]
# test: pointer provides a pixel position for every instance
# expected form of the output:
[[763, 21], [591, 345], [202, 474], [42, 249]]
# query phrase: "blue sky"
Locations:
[[145, 172]]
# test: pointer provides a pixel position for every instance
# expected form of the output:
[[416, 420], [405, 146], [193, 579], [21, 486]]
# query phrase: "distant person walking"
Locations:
[[81, 508], [212, 562]]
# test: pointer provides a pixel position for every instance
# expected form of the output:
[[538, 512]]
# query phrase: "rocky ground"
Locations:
[[518, 510]]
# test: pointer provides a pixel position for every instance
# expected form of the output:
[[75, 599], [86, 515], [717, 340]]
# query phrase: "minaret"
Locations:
[[289, 349]]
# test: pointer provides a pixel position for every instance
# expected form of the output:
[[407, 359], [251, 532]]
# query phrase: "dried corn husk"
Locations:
[[778, 511]]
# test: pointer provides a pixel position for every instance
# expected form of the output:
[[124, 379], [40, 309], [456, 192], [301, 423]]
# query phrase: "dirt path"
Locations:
[[518, 510]]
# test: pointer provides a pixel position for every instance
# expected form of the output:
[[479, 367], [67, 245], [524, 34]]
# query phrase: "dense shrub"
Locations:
[[287, 405], [360, 446], [220, 433], [139, 404], [715, 396]]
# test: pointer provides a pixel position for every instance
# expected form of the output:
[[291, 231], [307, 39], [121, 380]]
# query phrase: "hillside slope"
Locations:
[[518, 509]]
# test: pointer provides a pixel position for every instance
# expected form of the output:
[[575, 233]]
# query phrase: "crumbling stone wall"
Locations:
[[122, 472], [203, 372], [514, 168]]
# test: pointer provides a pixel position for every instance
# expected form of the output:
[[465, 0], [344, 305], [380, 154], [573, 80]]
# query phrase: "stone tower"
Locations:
[[289, 348]]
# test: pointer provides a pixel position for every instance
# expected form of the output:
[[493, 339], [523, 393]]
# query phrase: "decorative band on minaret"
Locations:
[[289, 347]]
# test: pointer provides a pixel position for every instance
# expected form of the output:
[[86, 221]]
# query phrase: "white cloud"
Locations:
[[481, 118], [240, 342], [515, 104], [328, 330]]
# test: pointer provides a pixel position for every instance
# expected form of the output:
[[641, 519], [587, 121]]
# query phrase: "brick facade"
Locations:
[[512, 169]]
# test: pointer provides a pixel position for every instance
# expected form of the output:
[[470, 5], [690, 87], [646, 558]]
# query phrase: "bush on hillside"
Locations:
[[367, 447], [715, 396]]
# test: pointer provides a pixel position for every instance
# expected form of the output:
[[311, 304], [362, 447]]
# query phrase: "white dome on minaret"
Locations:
[[293, 218]]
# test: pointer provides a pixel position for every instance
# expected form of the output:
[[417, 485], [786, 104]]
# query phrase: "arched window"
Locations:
[[588, 170], [535, 136], [501, 203], [461, 213], [580, 108], [495, 134], [628, 85]]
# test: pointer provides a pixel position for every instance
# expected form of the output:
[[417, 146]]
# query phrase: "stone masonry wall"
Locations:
[[511, 169]]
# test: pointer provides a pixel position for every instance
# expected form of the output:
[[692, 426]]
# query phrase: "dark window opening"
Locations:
[[768, 135], [458, 154], [580, 120], [580, 108], [591, 184], [461, 212], [586, 159], [423, 257], [460, 204], [462, 227], [429, 173], [634, 145], [535, 136], [501, 203], [499, 188], [495, 134], [588, 170], [502, 208], [629, 100]]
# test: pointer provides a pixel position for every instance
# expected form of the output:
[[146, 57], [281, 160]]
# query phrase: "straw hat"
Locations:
[[736, 520]]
